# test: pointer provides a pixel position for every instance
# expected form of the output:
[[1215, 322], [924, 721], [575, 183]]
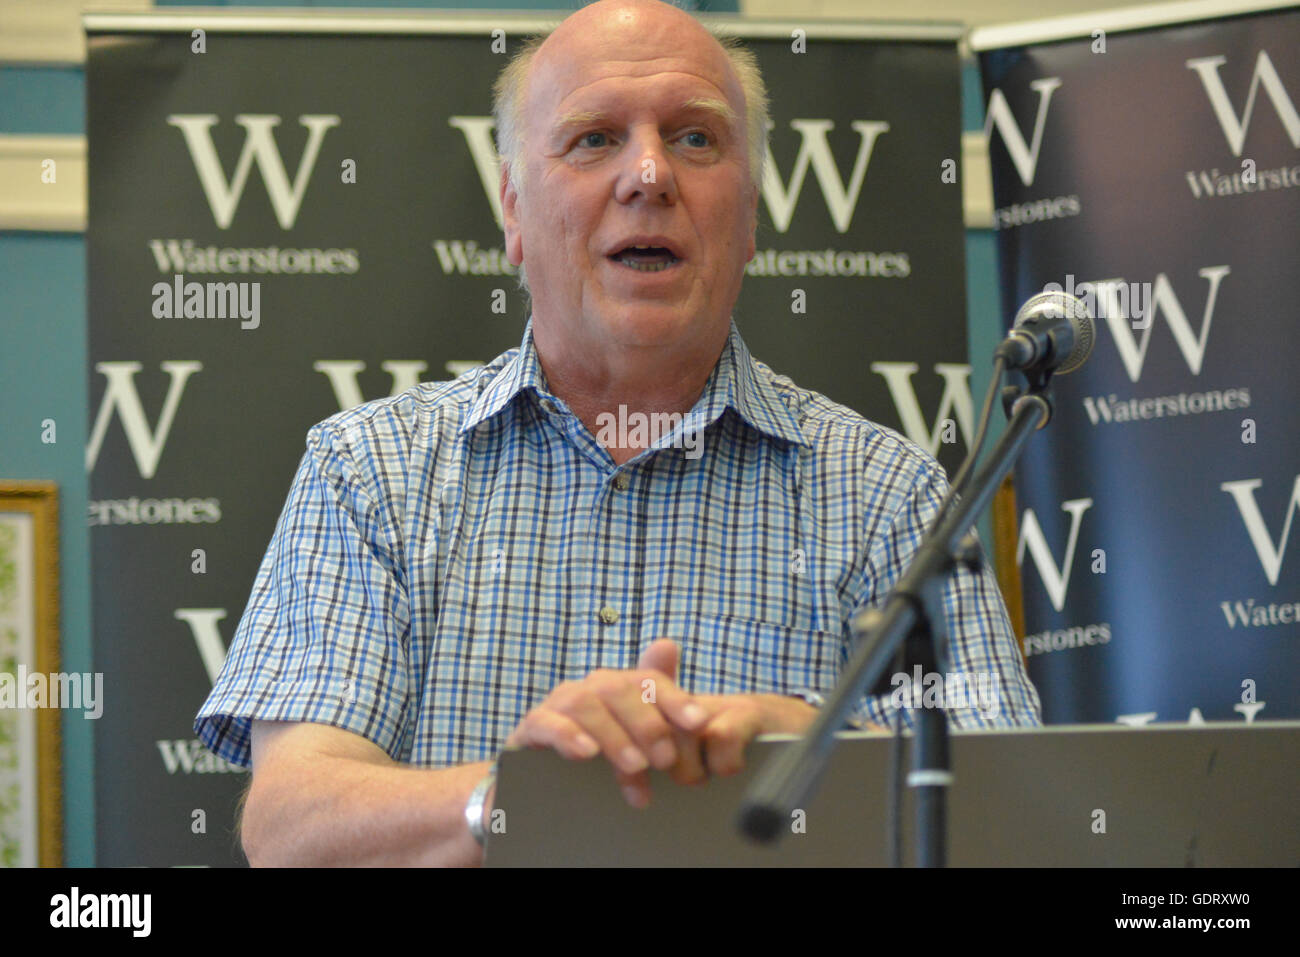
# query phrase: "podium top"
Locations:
[[1221, 794]]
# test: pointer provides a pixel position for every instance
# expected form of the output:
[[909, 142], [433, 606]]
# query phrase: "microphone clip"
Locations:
[[1035, 389]]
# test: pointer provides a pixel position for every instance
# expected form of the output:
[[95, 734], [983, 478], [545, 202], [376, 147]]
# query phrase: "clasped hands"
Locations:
[[640, 719]]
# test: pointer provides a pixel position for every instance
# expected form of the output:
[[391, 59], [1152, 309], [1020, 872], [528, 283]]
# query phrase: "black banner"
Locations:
[[286, 224], [1155, 175]]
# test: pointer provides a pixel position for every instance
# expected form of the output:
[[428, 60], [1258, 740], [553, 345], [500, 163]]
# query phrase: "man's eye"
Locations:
[[697, 138], [593, 140]]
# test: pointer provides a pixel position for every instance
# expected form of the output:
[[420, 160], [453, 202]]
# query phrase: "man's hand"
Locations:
[[641, 719], [638, 719], [736, 719]]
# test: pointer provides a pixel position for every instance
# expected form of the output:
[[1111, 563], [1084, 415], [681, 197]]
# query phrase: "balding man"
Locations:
[[626, 539]]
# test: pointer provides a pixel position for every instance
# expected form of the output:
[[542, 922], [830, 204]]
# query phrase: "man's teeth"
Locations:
[[646, 267], [634, 263]]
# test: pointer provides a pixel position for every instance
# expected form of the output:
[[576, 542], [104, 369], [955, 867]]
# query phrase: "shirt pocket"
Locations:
[[727, 655]]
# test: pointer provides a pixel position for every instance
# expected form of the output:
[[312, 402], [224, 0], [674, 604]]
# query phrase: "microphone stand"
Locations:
[[913, 619]]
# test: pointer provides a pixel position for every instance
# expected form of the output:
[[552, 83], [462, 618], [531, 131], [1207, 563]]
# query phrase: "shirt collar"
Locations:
[[735, 383], [523, 371]]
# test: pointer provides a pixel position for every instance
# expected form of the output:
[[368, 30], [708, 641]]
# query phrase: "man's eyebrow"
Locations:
[[697, 104], [708, 104]]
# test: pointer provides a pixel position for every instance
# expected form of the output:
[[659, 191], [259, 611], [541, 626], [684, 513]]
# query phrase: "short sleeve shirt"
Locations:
[[448, 555]]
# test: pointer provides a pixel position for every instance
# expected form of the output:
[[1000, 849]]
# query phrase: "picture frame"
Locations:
[[31, 805]]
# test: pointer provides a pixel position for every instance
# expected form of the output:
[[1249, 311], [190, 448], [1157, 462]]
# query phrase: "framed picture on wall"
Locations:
[[32, 690]]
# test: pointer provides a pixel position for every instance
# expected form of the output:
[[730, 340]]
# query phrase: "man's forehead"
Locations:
[[613, 96], [632, 51]]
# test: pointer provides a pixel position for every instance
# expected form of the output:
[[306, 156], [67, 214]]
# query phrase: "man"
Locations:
[[467, 566]]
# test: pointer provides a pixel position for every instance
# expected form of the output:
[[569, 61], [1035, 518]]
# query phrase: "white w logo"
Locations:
[[815, 151], [259, 146], [1057, 582], [1134, 353], [1270, 557], [207, 636], [1024, 157], [477, 131], [1234, 130], [956, 401], [342, 374], [121, 394]]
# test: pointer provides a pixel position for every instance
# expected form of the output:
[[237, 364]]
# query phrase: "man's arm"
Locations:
[[982, 649], [323, 796]]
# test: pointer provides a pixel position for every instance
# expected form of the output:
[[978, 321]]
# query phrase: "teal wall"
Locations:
[[986, 315], [43, 376], [43, 363]]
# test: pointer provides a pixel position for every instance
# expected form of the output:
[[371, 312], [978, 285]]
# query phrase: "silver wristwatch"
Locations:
[[814, 698], [818, 701], [474, 809]]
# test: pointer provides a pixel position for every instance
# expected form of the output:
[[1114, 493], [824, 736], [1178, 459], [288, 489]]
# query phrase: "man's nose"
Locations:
[[646, 173]]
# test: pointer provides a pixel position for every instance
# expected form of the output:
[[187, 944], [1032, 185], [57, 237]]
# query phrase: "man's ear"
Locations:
[[510, 218]]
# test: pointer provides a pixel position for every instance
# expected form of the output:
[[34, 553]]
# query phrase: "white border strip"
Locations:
[[316, 20], [1077, 26]]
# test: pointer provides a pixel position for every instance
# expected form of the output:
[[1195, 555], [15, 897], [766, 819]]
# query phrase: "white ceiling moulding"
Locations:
[[48, 32], [43, 183], [442, 21]]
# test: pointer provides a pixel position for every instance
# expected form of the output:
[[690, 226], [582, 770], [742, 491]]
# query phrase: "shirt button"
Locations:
[[621, 481], [548, 406], [608, 615]]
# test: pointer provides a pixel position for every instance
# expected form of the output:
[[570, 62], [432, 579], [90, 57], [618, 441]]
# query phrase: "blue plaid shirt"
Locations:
[[449, 555]]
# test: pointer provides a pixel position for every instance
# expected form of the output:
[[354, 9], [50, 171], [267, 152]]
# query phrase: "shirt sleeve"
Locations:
[[984, 684], [325, 633]]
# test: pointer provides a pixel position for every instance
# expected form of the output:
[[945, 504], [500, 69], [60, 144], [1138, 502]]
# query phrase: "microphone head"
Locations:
[[1042, 309]]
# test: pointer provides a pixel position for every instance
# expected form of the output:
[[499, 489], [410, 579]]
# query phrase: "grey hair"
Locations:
[[509, 94]]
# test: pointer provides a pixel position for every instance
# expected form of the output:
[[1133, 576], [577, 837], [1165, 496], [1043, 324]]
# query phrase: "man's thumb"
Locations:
[[660, 656]]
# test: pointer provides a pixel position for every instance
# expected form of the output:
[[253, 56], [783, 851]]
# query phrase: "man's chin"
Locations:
[[650, 324]]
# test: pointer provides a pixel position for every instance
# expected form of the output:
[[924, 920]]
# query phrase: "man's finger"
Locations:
[[635, 706], [679, 707], [544, 728], [690, 767], [726, 736], [607, 718], [635, 788], [660, 655]]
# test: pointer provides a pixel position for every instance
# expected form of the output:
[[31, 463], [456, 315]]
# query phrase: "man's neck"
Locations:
[[642, 382]]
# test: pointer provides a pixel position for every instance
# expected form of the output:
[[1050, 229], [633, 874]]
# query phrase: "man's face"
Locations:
[[626, 144]]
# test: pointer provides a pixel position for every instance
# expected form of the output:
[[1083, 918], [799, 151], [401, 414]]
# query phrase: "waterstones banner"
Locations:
[[1155, 173], [292, 216]]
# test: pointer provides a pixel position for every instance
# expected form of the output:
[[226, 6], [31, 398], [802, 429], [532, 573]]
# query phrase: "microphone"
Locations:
[[1052, 333]]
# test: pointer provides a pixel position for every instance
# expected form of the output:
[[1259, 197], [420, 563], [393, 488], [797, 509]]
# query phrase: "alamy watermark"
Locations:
[[208, 300], [36, 690], [77, 910], [644, 430], [1108, 298], [955, 689]]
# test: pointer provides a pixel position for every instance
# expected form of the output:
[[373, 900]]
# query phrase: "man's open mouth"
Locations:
[[645, 258]]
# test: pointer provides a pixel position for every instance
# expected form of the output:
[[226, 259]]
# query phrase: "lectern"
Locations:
[[1212, 795]]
